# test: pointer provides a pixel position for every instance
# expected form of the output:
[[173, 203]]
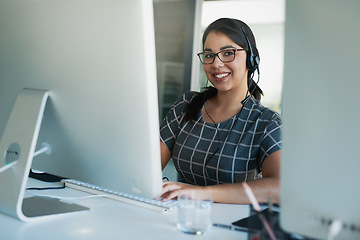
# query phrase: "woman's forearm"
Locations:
[[235, 193]]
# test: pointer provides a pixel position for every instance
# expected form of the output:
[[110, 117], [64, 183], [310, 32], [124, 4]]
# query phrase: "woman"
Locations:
[[223, 136]]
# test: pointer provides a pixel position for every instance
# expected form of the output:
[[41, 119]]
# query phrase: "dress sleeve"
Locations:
[[272, 140], [170, 126]]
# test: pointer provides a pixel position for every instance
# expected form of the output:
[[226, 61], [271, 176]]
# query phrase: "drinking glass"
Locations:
[[194, 212]]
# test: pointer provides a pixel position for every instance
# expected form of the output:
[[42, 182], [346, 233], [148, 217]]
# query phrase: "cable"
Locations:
[[217, 149], [252, 91], [45, 188], [219, 139]]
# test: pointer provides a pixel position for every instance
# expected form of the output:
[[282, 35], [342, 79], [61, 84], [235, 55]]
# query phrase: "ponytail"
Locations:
[[192, 109]]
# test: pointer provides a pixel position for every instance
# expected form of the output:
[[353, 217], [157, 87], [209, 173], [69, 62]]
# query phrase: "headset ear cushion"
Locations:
[[252, 62]]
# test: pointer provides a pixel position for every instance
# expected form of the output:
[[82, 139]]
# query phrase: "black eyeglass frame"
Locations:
[[217, 54]]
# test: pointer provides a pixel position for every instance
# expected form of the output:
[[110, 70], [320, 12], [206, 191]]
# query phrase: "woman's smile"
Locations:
[[221, 76]]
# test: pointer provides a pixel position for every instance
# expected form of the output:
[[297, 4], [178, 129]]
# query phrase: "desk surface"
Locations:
[[109, 219]]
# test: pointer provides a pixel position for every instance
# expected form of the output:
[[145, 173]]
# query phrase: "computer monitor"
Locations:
[[96, 61], [320, 161]]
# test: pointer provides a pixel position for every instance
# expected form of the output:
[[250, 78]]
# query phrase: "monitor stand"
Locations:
[[17, 148]]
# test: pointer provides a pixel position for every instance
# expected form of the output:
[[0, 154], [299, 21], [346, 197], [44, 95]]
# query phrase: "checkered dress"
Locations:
[[228, 152]]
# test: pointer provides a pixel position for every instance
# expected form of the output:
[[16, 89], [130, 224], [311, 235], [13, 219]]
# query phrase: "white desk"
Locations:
[[109, 219]]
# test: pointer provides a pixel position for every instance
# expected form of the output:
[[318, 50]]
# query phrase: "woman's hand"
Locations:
[[172, 189]]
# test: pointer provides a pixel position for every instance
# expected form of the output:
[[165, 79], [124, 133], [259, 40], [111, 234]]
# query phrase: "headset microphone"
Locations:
[[245, 99]]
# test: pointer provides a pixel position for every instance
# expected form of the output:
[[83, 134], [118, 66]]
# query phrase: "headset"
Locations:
[[252, 63], [252, 60]]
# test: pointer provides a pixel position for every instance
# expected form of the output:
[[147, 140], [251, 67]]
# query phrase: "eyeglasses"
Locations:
[[227, 55]]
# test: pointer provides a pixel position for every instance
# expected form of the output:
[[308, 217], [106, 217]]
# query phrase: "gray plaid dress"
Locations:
[[228, 152]]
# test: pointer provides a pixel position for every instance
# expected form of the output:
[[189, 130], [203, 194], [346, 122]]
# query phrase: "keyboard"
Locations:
[[156, 205]]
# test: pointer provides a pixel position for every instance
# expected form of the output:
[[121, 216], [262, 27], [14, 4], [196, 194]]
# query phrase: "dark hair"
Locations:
[[233, 28]]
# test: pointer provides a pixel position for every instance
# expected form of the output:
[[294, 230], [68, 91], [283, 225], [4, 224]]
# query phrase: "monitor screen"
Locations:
[[96, 58], [320, 162]]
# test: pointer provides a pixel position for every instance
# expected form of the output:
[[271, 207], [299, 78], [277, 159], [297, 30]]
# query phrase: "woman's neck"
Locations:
[[230, 99], [223, 106]]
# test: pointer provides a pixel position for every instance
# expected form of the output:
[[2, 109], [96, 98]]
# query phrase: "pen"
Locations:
[[257, 207], [230, 227], [251, 197]]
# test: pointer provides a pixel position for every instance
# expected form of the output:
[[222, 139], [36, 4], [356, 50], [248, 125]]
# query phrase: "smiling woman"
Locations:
[[223, 136], [266, 19]]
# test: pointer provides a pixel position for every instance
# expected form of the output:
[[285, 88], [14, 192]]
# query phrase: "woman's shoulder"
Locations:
[[185, 98], [262, 111], [189, 95]]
